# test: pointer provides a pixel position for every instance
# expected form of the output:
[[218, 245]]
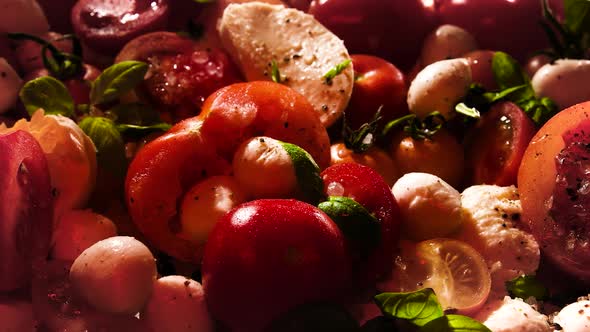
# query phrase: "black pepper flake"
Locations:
[[296, 56], [324, 107], [504, 215], [515, 216], [187, 282], [504, 225], [261, 140], [581, 311], [286, 124]]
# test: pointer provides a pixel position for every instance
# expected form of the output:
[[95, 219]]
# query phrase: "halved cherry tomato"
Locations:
[[497, 143], [554, 189], [375, 157]]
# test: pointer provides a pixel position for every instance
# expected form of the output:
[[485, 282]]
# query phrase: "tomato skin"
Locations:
[[161, 172], [26, 208], [262, 108], [375, 157], [368, 28], [268, 256], [537, 181], [497, 144], [368, 188]]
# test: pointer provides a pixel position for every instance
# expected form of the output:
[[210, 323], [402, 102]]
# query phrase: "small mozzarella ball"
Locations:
[[446, 42], [574, 317], [71, 157], [566, 82], [512, 315], [10, 84], [16, 316], [115, 275], [22, 16], [205, 203], [263, 168], [439, 87], [429, 206], [77, 230], [177, 304]]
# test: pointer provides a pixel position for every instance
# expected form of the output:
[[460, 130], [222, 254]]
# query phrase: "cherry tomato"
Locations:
[[375, 157], [391, 29], [55, 12], [441, 155], [553, 187], [378, 84], [368, 188], [489, 20], [26, 208], [269, 256], [497, 143], [480, 62]]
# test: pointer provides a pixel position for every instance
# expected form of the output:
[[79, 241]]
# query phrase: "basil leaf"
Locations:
[[275, 74], [507, 71], [134, 114], [204, 1], [339, 68], [525, 287], [359, 226], [116, 80], [139, 131], [49, 94], [419, 307], [577, 16], [467, 111], [307, 172], [110, 148], [454, 323]]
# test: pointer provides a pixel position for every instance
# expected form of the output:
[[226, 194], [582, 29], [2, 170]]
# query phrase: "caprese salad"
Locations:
[[294, 165]]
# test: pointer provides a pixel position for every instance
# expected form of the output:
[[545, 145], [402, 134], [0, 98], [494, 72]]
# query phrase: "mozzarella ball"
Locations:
[[439, 87], [17, 316], [574, 317], [512, 315], [22, 16], [10, 84], [566, 82], [446, 42], [71, 157], [77, 230], [115, 275], [177, 304], [429, 206], [264, 168], [204, 203]]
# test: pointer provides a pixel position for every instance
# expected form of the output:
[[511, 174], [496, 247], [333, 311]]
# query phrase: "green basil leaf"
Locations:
[[507, 71], [49, 94], [139, 131], [117, 80], [419, 307], [525, 287], [134, 114], [307, 173], [339, 68], [204, 1], [110, 148], [275, 74], [358, 225], [577, 15], [467, 111], [454, 323]]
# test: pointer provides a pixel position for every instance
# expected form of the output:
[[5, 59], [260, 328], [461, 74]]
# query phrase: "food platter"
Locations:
[[294, 165]]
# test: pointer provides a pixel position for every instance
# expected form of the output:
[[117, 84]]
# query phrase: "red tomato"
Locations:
[[161, 172], [553, 185], [377, 84], [391, 29], [375, 157], [266, 257], [480, 62], [490, 21], [497, 143], [26, 208], [368, 188]]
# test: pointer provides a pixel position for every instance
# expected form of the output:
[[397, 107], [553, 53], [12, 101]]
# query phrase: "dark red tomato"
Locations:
[[391, 29], [377, 83], [480, 62], [57, 13], [368, 188], [7, 52], [26, 208], [180, 83], [266, 257], [553, 185], [157, 178], [299, 4], [105, 26], [160, 43], [497, 143], [492, 21]]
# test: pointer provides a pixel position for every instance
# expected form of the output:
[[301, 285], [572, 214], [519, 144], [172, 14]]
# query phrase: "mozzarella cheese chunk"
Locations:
[[257, 34], [489, 225], [10, 84], [512, 315], [574, 317]]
